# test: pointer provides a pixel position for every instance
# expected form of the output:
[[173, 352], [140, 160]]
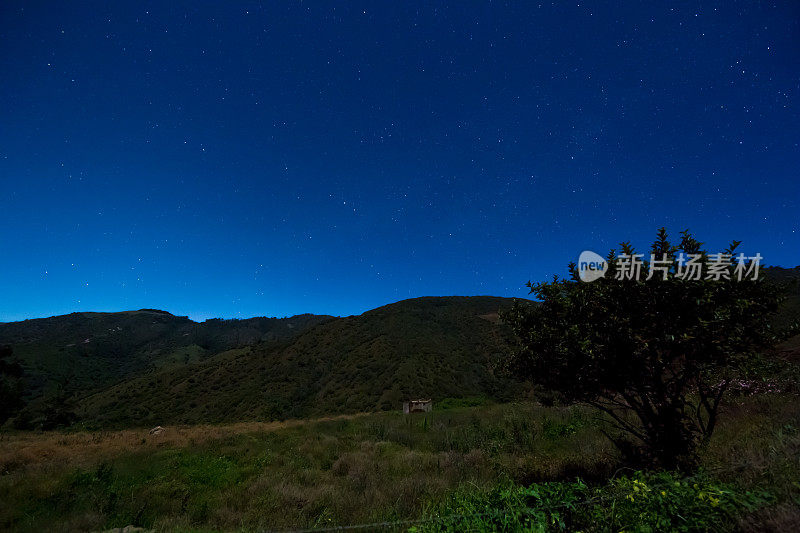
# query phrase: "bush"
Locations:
[[640, 502], [455, 403]]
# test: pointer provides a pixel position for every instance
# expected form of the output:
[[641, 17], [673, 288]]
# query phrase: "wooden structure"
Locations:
[[418, 406]]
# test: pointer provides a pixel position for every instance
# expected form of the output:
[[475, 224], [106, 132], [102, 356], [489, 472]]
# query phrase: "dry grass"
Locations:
[[779, 519], [38, 449], [335, 470], [349, 469]]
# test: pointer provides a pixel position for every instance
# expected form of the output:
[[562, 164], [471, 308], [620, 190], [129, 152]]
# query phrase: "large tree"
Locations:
[[653, 354]]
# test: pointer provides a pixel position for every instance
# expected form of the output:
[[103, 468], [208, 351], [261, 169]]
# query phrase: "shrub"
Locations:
[[640, 502], [455, 403]]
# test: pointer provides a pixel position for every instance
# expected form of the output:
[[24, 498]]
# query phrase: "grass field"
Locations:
[[387, 467]]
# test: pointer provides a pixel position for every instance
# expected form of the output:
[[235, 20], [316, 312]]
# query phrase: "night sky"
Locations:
[[242, 159]]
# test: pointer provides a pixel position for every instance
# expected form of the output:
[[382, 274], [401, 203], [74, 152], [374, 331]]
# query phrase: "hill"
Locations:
[[149, 366], [434, 347], [145, 367], [72, 355], [790, 310]]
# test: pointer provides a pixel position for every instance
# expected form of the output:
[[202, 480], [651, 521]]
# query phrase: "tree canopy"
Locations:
[[654, 354]]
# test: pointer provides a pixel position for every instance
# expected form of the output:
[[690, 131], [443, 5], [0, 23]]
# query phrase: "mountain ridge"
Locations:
[[148, 366], [118, 369]]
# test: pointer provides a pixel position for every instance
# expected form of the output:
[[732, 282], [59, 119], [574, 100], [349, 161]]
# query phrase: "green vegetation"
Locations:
[[425, 347], [11, 384], [662, 351], [454, 403], [486, 458], [491, 460], [143, 368], [639, 502], [72, 356]]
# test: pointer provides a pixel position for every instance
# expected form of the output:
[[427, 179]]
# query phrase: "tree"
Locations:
[[655, 355], [57, 410], [11, 385]]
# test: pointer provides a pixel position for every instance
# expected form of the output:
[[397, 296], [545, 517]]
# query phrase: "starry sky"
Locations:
[[233, 159]]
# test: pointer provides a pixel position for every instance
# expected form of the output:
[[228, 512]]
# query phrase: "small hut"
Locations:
[[418, 406]]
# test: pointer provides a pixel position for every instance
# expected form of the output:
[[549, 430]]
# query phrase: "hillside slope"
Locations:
[[81, 352], [148, 366], [427, 347]]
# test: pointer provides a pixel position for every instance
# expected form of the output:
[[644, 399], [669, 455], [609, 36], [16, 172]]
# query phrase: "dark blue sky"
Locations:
[[240, 159]]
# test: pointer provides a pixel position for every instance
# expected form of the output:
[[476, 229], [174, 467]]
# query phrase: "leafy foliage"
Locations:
[[639, 502], [653, 354]]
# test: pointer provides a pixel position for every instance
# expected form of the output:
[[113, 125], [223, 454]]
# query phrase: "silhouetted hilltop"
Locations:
[[149, 366]]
